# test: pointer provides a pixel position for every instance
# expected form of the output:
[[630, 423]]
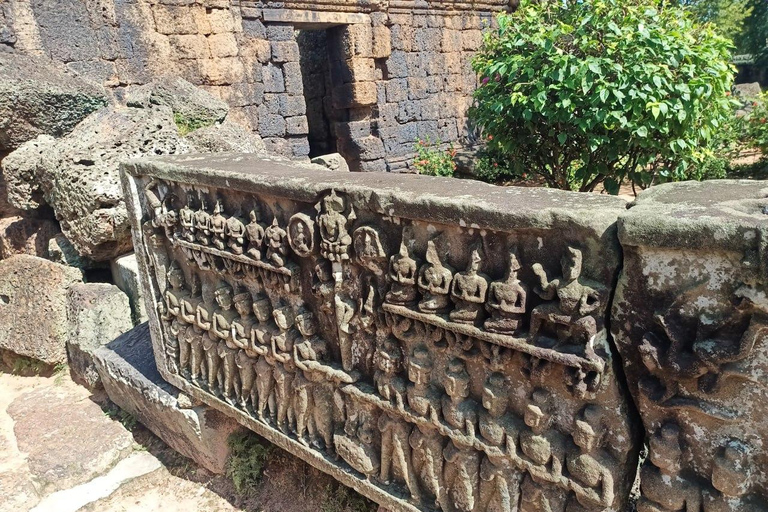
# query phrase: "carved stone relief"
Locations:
[[430, 365]]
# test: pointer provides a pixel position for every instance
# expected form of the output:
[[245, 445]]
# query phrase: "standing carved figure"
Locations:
[[204, 320], [241, 337], [255, 233], [402, 274], [221, 327], [731, 478], [277, 243], [282, 351], [434, 282], [506, 301], [591, 479], [334, 236], [577, 300], [191, 347], [219, 226], [499, 482], [468, 291], [459, 411], [423, 398], [662, 487], [388, 360], [427, 445], [396, 453], [171, 316], [261, 345], [461, 476], [314, 400], [235, 231]]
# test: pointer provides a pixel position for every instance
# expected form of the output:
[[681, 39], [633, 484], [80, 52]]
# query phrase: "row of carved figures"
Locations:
[[666, 489], [283, 377]]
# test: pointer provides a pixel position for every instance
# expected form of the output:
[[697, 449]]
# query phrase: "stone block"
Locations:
[[273, 79], [291, 106], [278, 146], [451, 41], [428, 39], [20, 169], [33, 303], [382, 42], [225, 137], [689, 321], [297, 125], [26, 235], [397, 90], [125, 275], [129, 374], [357, 40], [379, 165], [401, 38], [61, 250], [333, 161], [222, 71], [253, 27], [222, 45], [397, 65], [294, 84], [417, 88], [353, 129], [190, 46], [97, 313], [299, 147], [354, 95], [541, 374], [285, 51], [280, 32], [221, 21], [271, 125], [172, 19], [185, 100], [358, 70], [471, 40]]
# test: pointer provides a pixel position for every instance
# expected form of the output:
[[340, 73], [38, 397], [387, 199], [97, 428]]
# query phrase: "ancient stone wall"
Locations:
[[400, 71]]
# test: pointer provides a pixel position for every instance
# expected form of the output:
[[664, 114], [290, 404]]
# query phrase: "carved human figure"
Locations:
[[334, 236], [175, 323], [282, 351], [221, 327], [388, 361], [423, 397], [204, 320], [577, 300], [235, 233], [241, 336], [662, 487], [506, 300], [499, 482], [434, 282], [202, 224], [468, 291], [731, 478], [427, 445], [219, 226], [396, 453], [591, 480], [191, 352], [402, 274], [461, 473], [187, 220], [277, 243], [261, 345], [255, 233], [541, 449], [459, 411]]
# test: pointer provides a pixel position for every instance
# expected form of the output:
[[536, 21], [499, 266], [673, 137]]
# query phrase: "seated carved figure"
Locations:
[[468, 291], [434, 282], [591, 480], [335, 239], [506, 301], [202, 224], [219, 226], [389, 360], [731, 478], [187, 221], [277, 244], [662, 487], [402, 274], [576, 301], [255, 233], [235, 231]]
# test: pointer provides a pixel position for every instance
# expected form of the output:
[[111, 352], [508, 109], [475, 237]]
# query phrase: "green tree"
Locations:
[[755, 36], [727, 16], [595, 91]]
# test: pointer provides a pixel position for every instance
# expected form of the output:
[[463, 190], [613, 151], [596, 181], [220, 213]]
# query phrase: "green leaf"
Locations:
[[562, 137]]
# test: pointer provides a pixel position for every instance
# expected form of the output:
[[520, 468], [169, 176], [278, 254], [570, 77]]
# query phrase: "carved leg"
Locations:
[[386, 456], [403, 459]]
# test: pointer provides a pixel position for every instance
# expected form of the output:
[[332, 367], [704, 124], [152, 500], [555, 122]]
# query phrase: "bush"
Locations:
[[433, 161], [493, 166], [246, 461], [757, 124], [600, 90]]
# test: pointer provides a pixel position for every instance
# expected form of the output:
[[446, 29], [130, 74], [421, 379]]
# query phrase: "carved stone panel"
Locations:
[[435, 344], [690, 318]]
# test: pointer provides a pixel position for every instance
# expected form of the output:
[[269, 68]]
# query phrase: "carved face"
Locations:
[[584, 436], [534, 417], [457, 381], [176, 279], [243, 305], [385, 362], [418, 374], [571, 264], [262, 310], [224, 297]]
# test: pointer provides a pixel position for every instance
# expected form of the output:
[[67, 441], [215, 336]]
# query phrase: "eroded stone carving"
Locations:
[[437, 389]]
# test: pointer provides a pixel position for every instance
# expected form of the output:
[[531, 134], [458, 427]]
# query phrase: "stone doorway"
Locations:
[[322, 116]]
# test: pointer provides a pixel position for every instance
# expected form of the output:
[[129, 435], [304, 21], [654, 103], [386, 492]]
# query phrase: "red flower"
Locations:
[[495, 164], [727, 93], [490, 137], [422, 162]]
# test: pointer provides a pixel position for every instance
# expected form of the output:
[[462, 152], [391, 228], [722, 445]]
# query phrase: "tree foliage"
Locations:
[[728, 17], [599, 90]]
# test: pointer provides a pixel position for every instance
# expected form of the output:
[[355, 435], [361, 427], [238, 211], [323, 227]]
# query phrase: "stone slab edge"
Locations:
[[394, 193]]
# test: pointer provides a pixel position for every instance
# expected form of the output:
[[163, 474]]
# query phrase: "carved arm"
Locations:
[[546, 289]]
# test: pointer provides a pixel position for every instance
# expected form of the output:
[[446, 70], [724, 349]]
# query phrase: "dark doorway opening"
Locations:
[[316, 77]]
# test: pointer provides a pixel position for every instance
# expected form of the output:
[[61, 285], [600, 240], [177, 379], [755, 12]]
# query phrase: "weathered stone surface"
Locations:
[[38, 96], [690, 318], [747, 91], [67, 437], [125, 274], [190, 103], [61, 250], [130, 377], [79, 174], [33, 307], [20, 172], [333, 161], [225, 137], [97, 313], [26, 235], [433, 343]]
